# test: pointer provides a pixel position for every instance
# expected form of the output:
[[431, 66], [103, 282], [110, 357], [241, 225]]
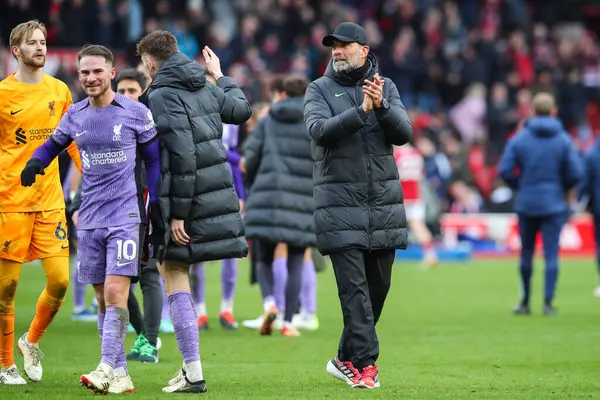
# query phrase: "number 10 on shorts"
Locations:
[[126, 250]]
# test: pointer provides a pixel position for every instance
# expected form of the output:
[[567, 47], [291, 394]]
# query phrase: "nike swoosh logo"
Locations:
[[9, 333], [121, 265], [339, 94], [16, 112], [80, 133], [64, 246]]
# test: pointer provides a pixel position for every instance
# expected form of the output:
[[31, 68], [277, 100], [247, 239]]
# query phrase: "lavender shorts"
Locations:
[[107, 251]]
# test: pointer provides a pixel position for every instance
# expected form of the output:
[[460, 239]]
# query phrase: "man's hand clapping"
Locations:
[[213, 64], [374, 91]]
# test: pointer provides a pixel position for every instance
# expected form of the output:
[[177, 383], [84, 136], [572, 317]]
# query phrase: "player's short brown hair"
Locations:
[[158, 44], [276, 83], [23, 32], [295, 85], [96, 50]]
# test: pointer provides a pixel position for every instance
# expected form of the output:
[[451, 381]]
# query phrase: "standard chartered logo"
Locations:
[[106, 158], [85, 159], [40, 134]]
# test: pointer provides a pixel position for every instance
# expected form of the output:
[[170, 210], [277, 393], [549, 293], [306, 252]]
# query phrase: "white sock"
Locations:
[[268, 303], [227, 305], [201, 308], [121, 371], [193, 371], [78, 309]]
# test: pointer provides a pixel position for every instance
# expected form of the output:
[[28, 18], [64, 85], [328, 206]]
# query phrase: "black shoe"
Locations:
[[191, 387], [549, 310], [522, 309]]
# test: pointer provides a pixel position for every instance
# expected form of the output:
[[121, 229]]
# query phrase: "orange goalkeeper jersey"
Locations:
[[29, 114]]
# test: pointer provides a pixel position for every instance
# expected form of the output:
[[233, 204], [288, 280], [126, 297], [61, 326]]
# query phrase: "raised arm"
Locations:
[[394, 120], [235, 108], [324, 128], [175, 134]]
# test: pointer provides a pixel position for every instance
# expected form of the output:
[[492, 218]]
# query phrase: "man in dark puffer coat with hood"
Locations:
[[279, 207], [196, 194], [354, 116]]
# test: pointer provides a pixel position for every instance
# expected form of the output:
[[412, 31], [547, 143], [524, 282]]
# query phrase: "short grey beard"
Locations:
[[344, 66]]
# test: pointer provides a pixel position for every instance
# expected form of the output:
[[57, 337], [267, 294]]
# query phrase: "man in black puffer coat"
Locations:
[[197, 200], [279, 206], [354, 116]]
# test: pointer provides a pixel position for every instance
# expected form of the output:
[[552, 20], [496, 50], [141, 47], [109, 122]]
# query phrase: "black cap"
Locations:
[[347, 32]]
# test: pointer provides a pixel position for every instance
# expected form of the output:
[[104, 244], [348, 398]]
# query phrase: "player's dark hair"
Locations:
[[96, 50], [295, 85], [276, 83], [158, 44], [133, 74]]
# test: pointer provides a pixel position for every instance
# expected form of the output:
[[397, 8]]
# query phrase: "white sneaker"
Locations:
[[305, 321], [257, 323], [158, 343], [11, 376], [121, 384], [31, 358], [185, 386], [98, 381], [597, 292]]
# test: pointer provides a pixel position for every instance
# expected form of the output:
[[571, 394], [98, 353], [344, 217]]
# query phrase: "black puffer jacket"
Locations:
[[196, 184], [358, 197], [279, 207]]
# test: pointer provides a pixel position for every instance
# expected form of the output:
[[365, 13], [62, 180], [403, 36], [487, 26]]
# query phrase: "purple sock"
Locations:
[[198, 268], [79, 290], [114, 329], [185, 322], [100, 323], [279, 282], [228, 278], [165, 313], [308, 291]]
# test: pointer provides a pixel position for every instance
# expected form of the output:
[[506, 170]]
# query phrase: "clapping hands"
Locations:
[[373, 93]]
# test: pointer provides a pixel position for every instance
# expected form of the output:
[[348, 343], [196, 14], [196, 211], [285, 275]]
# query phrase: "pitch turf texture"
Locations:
[[445, 334]]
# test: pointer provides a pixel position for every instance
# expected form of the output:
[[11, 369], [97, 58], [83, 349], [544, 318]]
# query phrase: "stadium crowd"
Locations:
[[465, 69]]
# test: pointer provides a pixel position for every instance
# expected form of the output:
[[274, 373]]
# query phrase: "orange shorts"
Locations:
[[29, 236]]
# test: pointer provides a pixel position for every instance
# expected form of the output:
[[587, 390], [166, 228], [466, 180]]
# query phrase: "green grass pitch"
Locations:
[[447, 333]]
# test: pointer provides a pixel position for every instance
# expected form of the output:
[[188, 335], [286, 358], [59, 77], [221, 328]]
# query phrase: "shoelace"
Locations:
[[139, 343], [36, 355], [147, 349], [370, 372]]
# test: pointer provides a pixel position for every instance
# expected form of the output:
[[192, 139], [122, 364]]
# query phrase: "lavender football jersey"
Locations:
[[107, 139]]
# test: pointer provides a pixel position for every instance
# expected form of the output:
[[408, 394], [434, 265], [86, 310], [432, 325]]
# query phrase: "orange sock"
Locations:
[[46, 309], [51, 299], [7, 335]]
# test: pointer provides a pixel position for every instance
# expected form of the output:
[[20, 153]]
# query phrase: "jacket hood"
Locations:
[[544, 126], [288, 110], [179, 72], [347, 79]]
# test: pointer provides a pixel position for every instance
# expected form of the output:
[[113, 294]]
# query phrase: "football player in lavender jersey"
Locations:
[[108, 129]]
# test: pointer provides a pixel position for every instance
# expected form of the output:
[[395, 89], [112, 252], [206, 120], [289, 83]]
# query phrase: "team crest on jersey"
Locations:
[[51, 106], [117, 132]]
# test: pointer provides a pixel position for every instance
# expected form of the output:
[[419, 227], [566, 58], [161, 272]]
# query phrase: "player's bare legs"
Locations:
[[48, 305], [185, 321], [111, 376], [425, 239], [9, 279]]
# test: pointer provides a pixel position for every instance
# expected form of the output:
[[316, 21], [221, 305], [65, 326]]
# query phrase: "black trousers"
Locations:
[[363, 279]]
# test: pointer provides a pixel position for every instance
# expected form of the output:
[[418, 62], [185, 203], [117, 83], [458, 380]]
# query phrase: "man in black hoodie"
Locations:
[[198, 203], [354, 116]]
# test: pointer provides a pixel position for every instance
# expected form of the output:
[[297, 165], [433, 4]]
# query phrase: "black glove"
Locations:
[[158, 225], [32, 168]]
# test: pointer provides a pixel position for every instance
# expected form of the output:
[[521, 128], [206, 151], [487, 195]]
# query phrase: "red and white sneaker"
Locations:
[[369, 378], [344, 371], [202, 322]]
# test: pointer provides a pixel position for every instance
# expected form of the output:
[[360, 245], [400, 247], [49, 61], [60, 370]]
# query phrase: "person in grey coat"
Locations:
[[197, 200], [354, 117], [279, 206]]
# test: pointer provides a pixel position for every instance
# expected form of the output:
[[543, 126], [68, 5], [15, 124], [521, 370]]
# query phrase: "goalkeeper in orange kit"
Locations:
[[32, 219]]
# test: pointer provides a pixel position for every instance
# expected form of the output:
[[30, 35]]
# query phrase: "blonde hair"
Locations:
[[543, 104], [22, 32]]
